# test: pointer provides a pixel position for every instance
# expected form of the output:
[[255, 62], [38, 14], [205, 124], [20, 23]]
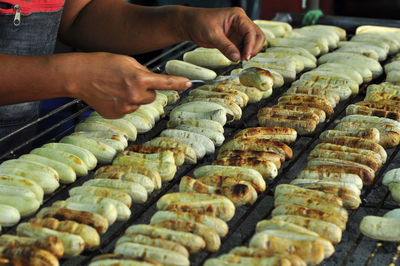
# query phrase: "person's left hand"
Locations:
[[228, 29]]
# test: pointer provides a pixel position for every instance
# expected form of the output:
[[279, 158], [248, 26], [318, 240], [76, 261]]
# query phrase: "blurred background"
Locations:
[[266, 9]]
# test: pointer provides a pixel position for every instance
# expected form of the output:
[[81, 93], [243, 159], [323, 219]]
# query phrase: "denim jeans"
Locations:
[[35, 35]]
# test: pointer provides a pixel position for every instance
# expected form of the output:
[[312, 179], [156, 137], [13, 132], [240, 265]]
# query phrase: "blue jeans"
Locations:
[[35, 35]]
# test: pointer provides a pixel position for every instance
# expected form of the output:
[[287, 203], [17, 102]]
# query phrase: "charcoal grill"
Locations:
[[354, 249]]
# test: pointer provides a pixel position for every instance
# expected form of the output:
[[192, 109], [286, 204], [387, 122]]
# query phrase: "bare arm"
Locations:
[[112, 84], [116, 84], [120, 27], [117, 26]]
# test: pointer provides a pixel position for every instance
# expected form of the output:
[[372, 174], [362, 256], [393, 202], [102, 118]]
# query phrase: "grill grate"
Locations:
[[354, 249]]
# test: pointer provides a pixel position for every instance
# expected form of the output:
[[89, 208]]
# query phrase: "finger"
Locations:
[[148, 96], [165, 82], [249, 40], [260, 41], [227, 47], [122, 107]]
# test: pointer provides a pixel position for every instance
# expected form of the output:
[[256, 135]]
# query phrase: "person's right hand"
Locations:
[[114, 85]]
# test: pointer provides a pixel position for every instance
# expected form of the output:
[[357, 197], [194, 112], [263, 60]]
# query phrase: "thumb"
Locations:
[[166, 82], [227, 47]]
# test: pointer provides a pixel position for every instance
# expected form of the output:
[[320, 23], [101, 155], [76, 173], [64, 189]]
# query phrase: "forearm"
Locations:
[[29, 78], [117, 26]]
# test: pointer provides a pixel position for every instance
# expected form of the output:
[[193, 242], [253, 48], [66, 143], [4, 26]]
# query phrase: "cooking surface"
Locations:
[[354, 249]]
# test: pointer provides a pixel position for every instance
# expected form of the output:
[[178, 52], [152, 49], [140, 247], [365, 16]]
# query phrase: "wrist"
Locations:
[[63, 67], [183, 15]]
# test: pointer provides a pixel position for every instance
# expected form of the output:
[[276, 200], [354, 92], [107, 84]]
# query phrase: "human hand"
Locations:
[[228, 29], [115, 85]]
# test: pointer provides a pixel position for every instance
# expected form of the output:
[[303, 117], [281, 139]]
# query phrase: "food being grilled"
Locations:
[[24, 255], [163, 142], [275, 158], [324, 229], [381, 228], [123, 212], [258, 144], [73, 244], [255, 253], [103, 152], [284, 134], [200, 203], [369, 134], [112, 259], [126, 171], [118, 141], [111, 193], [105, 209], [389, 136], [249, 175], [188, 70], [240, 193], [52, 244], [211, 238], [156, 242], [163, 164], [304, 246], [162, 255], [190, 136], [307, 100], [95, 220], [65, 172], [206, 57], [88, 233], [215, 223], [43, 175], [192, 242], [137, 192], [302, 123], [201, 123]]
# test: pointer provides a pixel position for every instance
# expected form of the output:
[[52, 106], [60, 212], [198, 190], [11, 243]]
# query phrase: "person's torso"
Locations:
[[27, 27]]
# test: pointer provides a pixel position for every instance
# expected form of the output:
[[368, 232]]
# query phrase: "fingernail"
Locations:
[[188, 84], [235, 56], [247, 57]]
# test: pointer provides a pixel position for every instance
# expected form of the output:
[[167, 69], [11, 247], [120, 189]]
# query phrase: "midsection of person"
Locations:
[[26, 28]]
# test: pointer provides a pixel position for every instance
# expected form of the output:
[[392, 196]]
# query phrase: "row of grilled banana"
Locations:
[[336, 170], [25, 180], [198, 121], [99, 202], [194, 218], [140, 169], [273, 29], [259, 150], [392, 69], [68, 227], [379, 111], [285, 60], [310, 213], [304, 226], [262, 149], [345, 160], [382, 101], [337, 77], [302, 107], [385, 228], [317, 39]]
